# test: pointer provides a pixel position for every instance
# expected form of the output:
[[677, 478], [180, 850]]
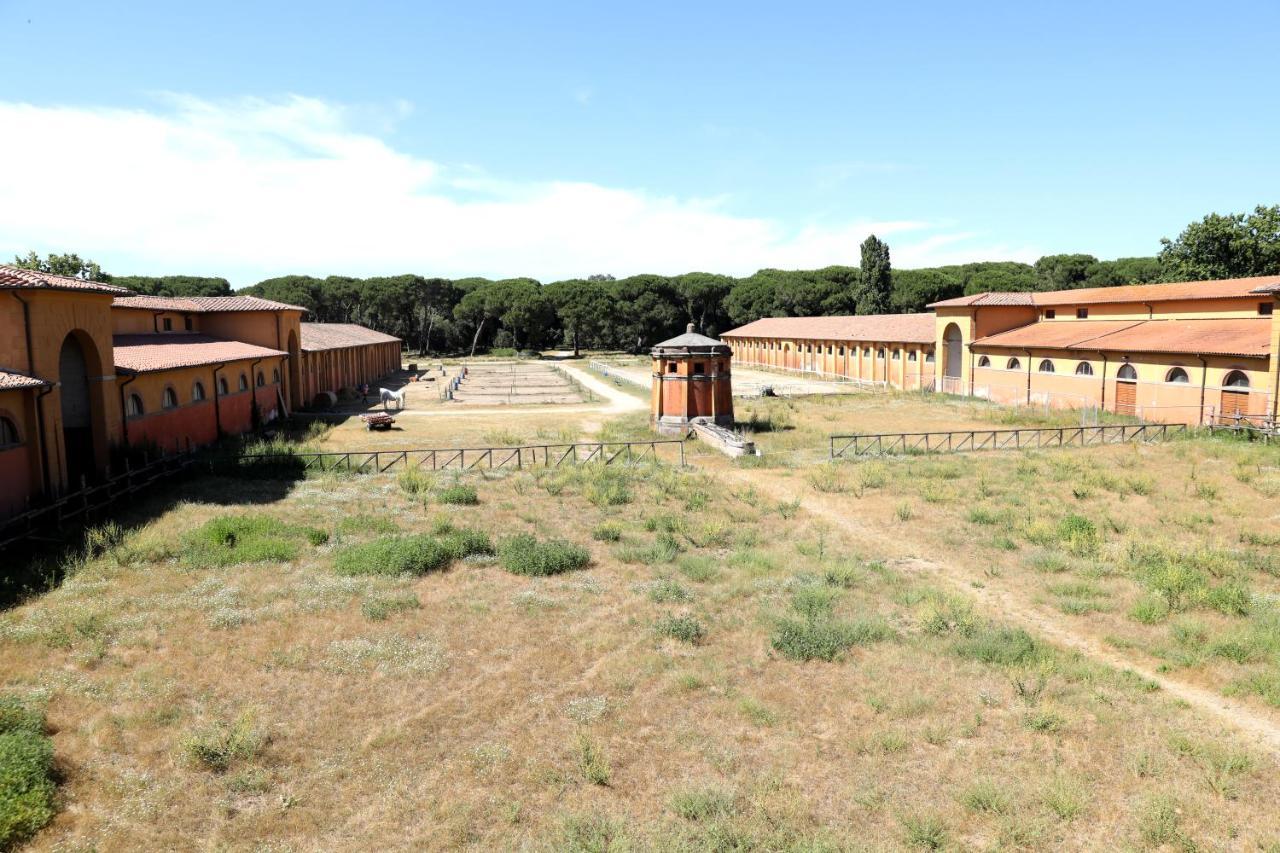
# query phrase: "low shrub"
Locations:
[[415, 481], [998, 646], [394, 555], [216, 747], [687, 629], [924, 831], [592, 761], [666, 590], [232, 539], [700, 569], [814, 602], [458, 494], [26, 763], [702, 803], [985, 796], [607, 532], [825, 639], [464, 542], [524, 555]]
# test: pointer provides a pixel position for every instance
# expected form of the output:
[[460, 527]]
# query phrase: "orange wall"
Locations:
[[684, 395], [138, 321], [19, 465], [904, 365]]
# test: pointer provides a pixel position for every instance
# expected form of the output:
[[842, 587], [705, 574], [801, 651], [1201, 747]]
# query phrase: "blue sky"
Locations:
[[563, 139]]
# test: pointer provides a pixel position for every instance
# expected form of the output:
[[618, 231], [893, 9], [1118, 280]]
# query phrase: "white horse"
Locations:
[[388, 395]]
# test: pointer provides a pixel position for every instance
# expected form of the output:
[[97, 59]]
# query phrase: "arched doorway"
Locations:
[[1126, 390], [77, 411], [1235, 396], [952, 359], [295, 371]]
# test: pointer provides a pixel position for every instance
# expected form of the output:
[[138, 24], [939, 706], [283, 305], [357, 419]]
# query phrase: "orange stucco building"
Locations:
[[894, 350], [88, 369], [1186, 352], [692, 380]]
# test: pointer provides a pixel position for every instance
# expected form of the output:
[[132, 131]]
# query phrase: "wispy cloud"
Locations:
[[257, 187]]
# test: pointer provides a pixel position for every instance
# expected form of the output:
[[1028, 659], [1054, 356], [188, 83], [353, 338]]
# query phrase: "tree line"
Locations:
[[440, 315]]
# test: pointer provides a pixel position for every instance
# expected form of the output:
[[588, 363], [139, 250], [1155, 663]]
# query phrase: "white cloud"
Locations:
[[257, 187]]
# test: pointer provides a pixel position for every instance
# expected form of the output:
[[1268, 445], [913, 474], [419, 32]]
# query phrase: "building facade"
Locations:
[[1186, 352], [88, 370], [692, 380], [893, 350]]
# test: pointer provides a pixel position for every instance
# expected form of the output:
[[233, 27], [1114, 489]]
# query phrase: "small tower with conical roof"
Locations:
[[691, 381]]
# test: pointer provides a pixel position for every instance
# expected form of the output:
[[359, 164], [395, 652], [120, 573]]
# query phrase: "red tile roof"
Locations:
[[322, 336], [1229, 288], [15, 277], [11, 379], [1246, 337], [147, 353], [202, 304], [904, 328]]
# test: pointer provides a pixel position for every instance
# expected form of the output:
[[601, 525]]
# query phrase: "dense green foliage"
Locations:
[[26, 763], [470, 315], [413, 555], [524, 555]]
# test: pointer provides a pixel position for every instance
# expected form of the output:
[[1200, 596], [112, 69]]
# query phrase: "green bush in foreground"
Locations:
[[232, 539], [413, 555], [524, 555], [687, 629], [825, 639], [218, 746], [26, 759], [459, 494]]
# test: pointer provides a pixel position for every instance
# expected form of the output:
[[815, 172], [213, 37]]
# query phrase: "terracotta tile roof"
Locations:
[[15, 277], [1056, 334], [147, 353], [1012, 297], [202, 304], [11, 379], [1228, 288], [322, 336], [1246, 337], [904, 328]]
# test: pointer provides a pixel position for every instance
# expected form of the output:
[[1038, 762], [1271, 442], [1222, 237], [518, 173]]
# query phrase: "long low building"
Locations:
[[886, 349], [1185, 352], [89, 371]]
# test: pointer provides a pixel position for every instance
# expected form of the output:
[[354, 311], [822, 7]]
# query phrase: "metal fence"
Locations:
[[89, 500], [963, 441], [470, 458]]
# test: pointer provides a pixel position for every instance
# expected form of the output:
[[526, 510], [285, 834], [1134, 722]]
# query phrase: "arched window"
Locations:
[[1177, 374], [133, 406], [197, 392], [928, 359], [275, 376], [262, 380], [1084, 368], [1127, 372], [170, 399], [8, 434], [1013, 364], [880, 353], [244, 382], [1046, 366], [223, 390], [983, 361], [911, 356], [1236, 379], [897, 355]]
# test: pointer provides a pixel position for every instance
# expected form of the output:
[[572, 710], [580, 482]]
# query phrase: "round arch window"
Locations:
[[1084, 368], [983, 361], [275, 376], [133, 406], [1236, 379], [1013, 364], [1046, 366], [262, 380], [197, 392], [170, 399], [1127, 372], [8, 434], [1177, 374], [244, 382], [223, 388]]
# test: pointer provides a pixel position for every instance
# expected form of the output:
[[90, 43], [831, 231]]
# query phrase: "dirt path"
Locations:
[[1259, 728]]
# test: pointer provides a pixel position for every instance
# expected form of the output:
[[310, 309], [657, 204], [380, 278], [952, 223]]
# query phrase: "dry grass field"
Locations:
[[990, 652]]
